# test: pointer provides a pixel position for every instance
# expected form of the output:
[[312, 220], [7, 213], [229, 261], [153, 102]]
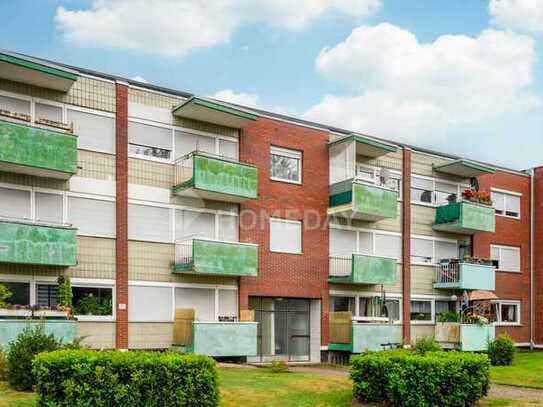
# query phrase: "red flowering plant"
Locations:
[[482, 197]]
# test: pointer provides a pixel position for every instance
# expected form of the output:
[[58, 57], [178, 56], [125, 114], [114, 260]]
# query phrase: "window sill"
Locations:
[[507, 324], [508, 216], [423, 323], [428, 205], [286, 181], [510, 271], [95, 318], [279, 252]]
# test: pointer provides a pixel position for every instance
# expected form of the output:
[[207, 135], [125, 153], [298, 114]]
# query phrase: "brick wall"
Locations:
[[121, 122], [290, 275], [510, 232], [538, 266]]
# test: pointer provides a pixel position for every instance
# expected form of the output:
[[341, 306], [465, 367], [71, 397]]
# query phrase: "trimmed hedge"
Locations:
[[404, 378], [114, 378]]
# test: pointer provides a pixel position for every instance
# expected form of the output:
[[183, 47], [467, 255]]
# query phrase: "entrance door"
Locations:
[[283, 329]]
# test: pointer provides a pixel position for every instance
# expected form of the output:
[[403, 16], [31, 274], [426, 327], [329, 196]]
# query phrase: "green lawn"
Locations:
[[527, 371]]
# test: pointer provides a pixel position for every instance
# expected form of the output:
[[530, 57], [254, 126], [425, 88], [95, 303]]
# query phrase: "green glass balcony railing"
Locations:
[[465, 218], [204, 176], [26, 149], [202, 256], [362, 201], [362, 269], [38, 245]]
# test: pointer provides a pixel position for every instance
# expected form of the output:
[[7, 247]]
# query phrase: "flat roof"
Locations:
[[259, 112]]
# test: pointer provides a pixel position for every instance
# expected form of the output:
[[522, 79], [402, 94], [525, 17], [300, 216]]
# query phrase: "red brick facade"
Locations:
[[538, 255], [121, 290], [510, 232], [288, 275]]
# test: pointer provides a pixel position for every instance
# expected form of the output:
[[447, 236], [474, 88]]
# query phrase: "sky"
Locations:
[[463, 77]]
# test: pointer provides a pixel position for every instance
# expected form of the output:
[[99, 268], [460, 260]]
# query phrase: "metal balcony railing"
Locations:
[[448, 272], [341, 266]]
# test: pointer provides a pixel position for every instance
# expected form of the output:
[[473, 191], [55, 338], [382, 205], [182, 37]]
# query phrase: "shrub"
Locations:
[[424, 345], [114, 378], [3, 365], [501, 351], [449, 316], [4, 295], [278, 366], [65, 294], [21, 353], [404, 378]]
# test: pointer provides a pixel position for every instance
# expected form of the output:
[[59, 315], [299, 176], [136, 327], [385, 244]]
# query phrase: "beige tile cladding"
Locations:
[[85, 92], [168, 102], [390, 225], [421, 331], [28, 270], [153, 261], [95, 165], [150, 335], [31, 181], [150, 173], [97, 335], [422, 280], [95, 258]]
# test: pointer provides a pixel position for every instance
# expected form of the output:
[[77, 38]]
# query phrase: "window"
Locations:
[[388, 245], [506, 204], [186, 143], [202, 300], [443, 306], [95, 132], [149, 223], [286, 165], [149, 141], [228, 228], [342, 304], [48, 112], [431, 251], [189, 224], [342, 242], [346, 242], [48, 207], [228, 305], [15, 105], [20, 293], [434, 192], [508, 312], [15, 203], [421, 310], [150, 304], [285, 236], [95, 301], [379, 176], [228, 149], [92, 217], [47, 295], [372, 307], [507, 258]]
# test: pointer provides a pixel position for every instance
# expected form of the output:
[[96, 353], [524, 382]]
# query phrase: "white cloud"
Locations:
[[243, 99], [174, 27], [519, 15], [139, 79], [405, 89]]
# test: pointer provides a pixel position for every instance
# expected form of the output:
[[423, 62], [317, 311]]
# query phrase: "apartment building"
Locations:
[[220, 229]]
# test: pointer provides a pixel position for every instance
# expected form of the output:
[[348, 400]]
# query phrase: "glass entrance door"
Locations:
[[283, 329]]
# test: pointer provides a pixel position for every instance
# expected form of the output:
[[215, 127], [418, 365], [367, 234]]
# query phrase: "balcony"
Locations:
[[465, 337], [465, 276], [357, 200], [362, 269], [200, 175], [465, 218], [212, 257], [219, 339], [24, 243], [25, 149], [347, 335]]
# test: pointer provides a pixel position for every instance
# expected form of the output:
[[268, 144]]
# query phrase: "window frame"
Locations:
[[33, 191], [372, 232], [499, 304], [434, 239], [505, 193], [365, 294], [394, 174], [297, 222], [295, 155], [459, 186], [97, 317], [499, 248], [33, 100], [432, 319]]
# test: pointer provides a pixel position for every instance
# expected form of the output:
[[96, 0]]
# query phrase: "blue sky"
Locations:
[[410, 70]]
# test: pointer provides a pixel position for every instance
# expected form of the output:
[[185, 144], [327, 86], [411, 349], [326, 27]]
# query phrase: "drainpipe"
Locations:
[[532, 252]]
